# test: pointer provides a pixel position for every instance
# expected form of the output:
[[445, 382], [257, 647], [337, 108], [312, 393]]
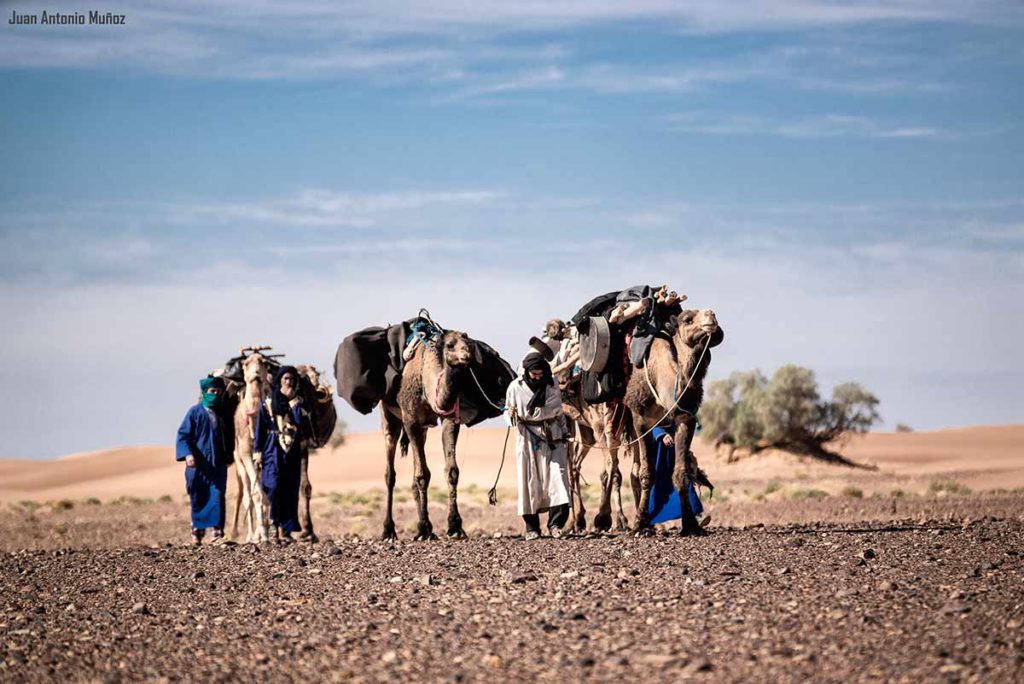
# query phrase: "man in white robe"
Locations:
[[534, 405]]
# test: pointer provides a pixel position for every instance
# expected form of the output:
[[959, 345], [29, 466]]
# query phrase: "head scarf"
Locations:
[[279, 401], [211, 400], [534, 361]]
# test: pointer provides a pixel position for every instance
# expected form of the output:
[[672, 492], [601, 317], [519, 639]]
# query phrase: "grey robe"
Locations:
[[542, 469]]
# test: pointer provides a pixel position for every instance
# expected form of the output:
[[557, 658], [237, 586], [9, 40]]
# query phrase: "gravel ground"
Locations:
[[930, 597]]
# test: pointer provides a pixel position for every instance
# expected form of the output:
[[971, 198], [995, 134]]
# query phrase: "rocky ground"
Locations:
[[917, 590]]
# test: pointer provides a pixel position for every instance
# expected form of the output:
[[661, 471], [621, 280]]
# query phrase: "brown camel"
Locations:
[[589, 428], [675, 370], [431, 383], [256, 371], [323, 416]]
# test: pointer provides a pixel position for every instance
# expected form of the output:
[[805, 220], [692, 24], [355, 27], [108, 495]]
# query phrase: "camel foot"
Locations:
[[603, 522], [580, 524], [692, 528], [643, 530], [425, 532], [309, 536], [621, 523], [457, 534], [389, 532]]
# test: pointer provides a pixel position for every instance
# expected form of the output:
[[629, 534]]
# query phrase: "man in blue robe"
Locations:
[[665, 504], [282, 429], [203, 445]]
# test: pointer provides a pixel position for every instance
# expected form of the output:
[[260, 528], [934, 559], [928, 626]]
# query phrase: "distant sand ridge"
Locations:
[[982, 458]]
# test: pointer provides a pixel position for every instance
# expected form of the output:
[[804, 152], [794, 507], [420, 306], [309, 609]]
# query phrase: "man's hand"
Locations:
[[668, 440], [257, 458], [190, 461], [512, 414]]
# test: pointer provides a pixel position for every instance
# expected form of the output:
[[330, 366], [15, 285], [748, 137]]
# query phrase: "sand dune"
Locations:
[[986, 457]]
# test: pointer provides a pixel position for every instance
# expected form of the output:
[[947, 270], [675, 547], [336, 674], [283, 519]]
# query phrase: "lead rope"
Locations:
[[492, 495], [671, 410]]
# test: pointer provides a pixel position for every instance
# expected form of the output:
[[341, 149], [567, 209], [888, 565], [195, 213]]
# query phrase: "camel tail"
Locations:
[[403, 442]]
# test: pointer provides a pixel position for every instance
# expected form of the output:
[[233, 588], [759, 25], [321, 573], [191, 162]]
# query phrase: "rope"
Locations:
[[482, 393], [492, 495], [675, 404]]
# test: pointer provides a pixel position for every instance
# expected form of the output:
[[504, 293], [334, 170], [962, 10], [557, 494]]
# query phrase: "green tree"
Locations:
[[751, 412]]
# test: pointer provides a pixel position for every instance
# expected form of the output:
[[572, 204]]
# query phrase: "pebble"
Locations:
[[140, 609]]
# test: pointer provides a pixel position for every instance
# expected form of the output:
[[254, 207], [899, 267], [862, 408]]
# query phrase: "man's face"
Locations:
[[288, 384], [215, 391], [536, 374]]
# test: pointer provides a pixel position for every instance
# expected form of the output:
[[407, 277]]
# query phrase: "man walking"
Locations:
[[203, 445]]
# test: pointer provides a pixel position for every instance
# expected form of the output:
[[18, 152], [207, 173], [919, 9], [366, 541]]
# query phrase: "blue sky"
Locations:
[[841, 182]]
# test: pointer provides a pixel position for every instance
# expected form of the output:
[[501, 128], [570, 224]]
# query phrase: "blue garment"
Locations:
[[201, 436], [664, 504], [282, 470]]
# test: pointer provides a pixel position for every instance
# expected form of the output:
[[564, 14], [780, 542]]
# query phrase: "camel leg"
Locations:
[[421, 479], [243, 463], [392, 428], [634, 476], [305, 495], [682, 475], [238, 498], [254, 501], [579, 512], [643, 525], [621, 521], [572, 446], [449, 437], [603, 519]]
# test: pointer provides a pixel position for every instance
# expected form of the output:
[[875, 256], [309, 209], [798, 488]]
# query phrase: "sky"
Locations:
[[840, 181]]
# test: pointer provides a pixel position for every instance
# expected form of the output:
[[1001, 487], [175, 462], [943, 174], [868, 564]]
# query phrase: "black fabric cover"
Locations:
[[495, 375], [368, 369], [368, 366]]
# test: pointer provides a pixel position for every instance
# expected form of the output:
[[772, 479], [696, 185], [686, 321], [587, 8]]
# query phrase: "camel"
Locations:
[[323, 416], [256, 371], [589, 428], [431, 383], [673, 366]]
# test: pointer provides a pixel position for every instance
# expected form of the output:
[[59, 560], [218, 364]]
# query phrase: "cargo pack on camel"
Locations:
[[629, 361], [421, 373]]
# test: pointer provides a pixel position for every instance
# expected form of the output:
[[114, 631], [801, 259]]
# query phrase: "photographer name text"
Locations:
[[93, 17]]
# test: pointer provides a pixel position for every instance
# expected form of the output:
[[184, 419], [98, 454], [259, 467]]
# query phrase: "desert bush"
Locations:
[[945, 487], [803, 494], [785, 412], [166, 498], [337, 437], [773, 486], [62, 505], [902, 427], [93, 501], [852, 492]]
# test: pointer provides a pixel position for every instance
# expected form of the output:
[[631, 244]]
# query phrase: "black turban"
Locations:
[[533, 362]]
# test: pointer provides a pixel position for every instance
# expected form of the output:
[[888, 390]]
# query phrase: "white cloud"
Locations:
[[825, 126]]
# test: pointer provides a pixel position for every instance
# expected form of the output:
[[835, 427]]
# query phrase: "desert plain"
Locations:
[[913, 571]]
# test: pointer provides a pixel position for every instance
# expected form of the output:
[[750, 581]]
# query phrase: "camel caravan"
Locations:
[[623, 376]]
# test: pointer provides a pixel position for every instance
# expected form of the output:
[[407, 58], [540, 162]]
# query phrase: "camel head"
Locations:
[[694, 326], [310, 372], [457, 349], [255, 367]]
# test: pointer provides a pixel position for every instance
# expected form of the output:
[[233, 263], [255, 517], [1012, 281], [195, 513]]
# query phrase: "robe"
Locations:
[[664, 504], [542, 467], [202, 436], [282, 470]]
